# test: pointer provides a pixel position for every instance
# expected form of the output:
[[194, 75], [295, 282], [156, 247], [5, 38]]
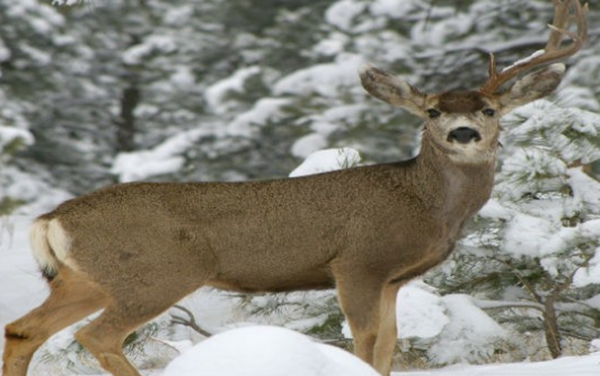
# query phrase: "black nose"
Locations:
[[464, 135]]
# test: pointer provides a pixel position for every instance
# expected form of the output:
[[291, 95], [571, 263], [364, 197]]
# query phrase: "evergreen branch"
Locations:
[[338, 341], [591, 308], [572, 334], [493, 304], [528, 285], [469, 285]]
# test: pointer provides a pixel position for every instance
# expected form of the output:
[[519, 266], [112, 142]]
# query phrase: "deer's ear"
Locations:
[[533, 86], [393, 90]]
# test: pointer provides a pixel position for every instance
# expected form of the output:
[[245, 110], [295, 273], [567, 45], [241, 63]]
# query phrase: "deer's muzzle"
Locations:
[[463, 135]]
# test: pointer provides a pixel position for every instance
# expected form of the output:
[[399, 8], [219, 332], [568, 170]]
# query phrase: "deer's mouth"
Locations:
[[463, 135]]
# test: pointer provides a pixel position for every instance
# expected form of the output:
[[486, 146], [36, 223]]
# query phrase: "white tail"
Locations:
[[50, 245], [43, 254]]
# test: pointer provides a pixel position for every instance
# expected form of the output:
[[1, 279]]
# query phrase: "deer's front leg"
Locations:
[[388, 332], [360, 297]]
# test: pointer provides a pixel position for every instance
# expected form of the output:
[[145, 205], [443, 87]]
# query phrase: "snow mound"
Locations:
[[568, 365], [266, 351], [420, 313], [470, 334]]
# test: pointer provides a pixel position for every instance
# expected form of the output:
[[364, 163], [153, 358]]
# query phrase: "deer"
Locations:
[[133, 250]]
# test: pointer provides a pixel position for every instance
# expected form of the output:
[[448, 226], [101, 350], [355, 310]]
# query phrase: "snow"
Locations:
[[572, 366], [179, 15], [30, 189], [66, 2], [531, 170], [342, 13], [437, 34], [470, 334], [526, 235], [41, 26], [526, 60], [183, 78], [323, 79], [135, 54], [216, 94], [571, 132], [5, 53], [266, 351], [306, 145], [494, 209], [589, 275], [420, 312], [327, 160], [163, 159], [579, 97], [332, 45], [394, 8], [323, 124], [9, 134], [37, 55], [263, 111], [585, 189]]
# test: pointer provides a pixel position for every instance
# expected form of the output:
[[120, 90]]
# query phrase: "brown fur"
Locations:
[[461, 102], [136, 249]]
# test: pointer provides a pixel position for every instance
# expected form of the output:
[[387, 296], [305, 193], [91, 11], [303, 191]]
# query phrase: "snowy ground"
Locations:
[[263, 351]]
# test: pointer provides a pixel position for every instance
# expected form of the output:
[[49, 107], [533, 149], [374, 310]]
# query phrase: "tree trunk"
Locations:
[[126, 124], [551, 326]]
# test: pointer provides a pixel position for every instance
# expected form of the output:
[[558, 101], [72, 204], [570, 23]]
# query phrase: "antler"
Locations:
[[552, 53]]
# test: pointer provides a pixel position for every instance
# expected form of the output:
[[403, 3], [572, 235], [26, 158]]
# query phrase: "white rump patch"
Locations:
[[50, 244], [60, 242], [39, 245]]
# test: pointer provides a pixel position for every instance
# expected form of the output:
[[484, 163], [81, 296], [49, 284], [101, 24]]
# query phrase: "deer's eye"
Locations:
[[489, 112], [433, 113]]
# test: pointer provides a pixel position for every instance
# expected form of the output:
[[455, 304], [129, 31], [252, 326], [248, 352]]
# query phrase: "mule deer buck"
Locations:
[[133, 250]]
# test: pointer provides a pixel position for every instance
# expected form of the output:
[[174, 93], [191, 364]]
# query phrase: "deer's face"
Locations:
[[465, 125]]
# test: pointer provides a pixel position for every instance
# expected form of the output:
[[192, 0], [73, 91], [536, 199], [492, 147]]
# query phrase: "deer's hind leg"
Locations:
[[104, 336], [131, 306], [72, 298]]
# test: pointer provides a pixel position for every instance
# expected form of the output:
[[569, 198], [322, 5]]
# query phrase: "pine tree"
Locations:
[[532, 257], [24, 29]]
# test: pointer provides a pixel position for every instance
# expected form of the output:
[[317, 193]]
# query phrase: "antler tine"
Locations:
[[552, 52], [559, 22]]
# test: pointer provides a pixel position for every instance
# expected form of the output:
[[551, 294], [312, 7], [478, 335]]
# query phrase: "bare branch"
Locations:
[[190, 321]]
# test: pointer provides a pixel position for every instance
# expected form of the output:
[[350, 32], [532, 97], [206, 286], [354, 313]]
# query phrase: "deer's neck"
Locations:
[[455, 190]]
